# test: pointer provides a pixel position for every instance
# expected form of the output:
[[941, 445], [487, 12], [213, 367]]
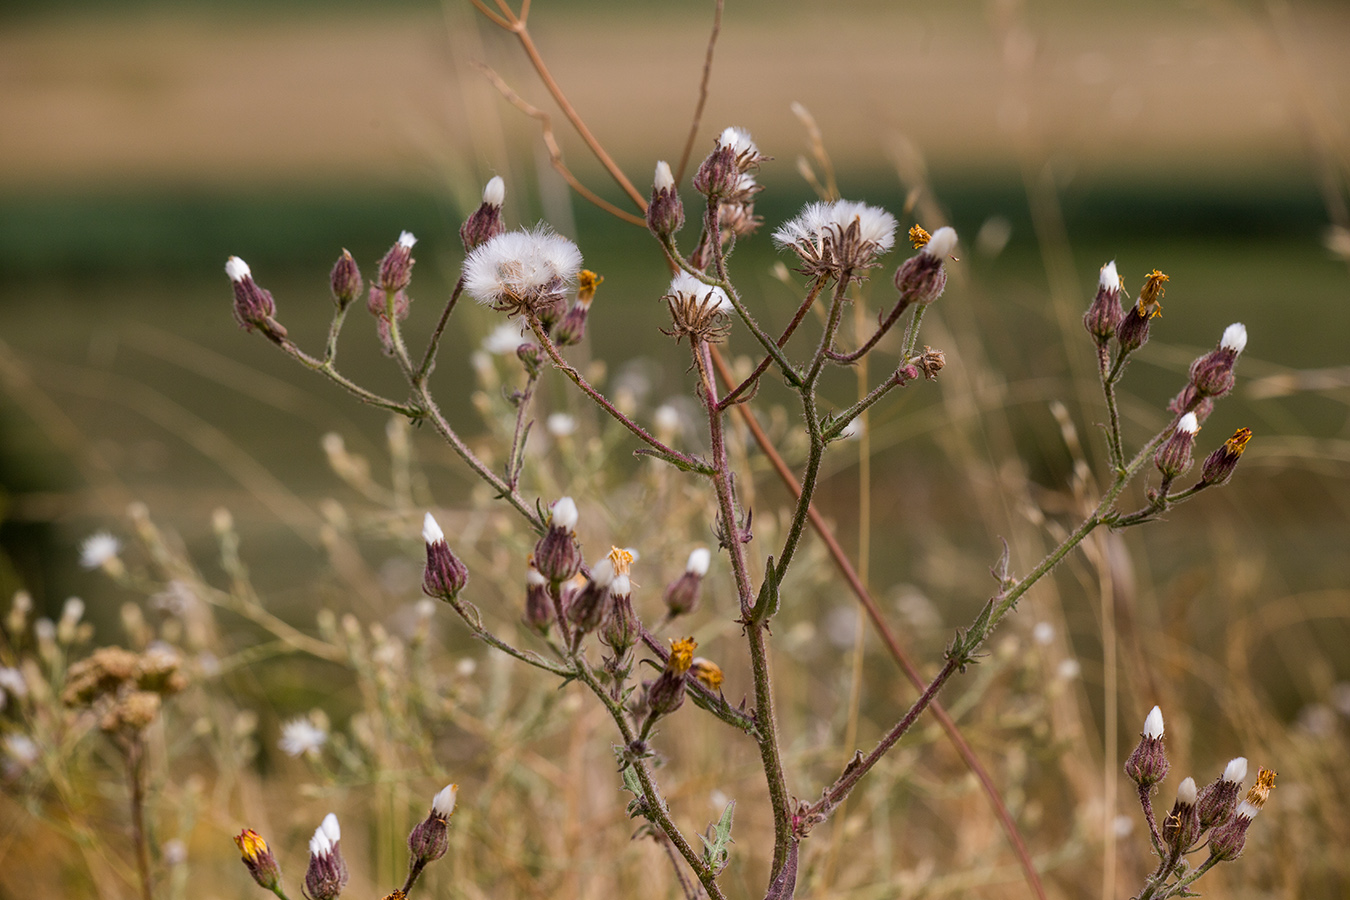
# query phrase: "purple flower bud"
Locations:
[[1218, 799], [253, 306], [538, 602], [590, 605], [1181, 828], [531, 355], [1148, 765], [666, 693], [1174, 456], [346, 281], [1212, 374], [1105, 313], [1226, 841], [557, 554], [396, 267], [1132, 332], [327, 873], [682, 594], [445, 576], [665, 212], [622, 628], [922, 278], [485, 223], [430, 838]]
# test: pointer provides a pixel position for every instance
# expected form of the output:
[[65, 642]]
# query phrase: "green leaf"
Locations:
[[715, 843], [766, 604]]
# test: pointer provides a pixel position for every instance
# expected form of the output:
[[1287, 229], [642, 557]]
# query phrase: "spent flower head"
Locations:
[[838, 237], [698, 311], [301, 736], [523, 272]]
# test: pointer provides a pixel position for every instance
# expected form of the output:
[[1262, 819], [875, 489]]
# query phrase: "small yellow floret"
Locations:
[[708, 672], [681, 655], [1150, 296], [587, 282], [918, 237], [251, 844], [621, 559], [1236, 444], [1265, 782]]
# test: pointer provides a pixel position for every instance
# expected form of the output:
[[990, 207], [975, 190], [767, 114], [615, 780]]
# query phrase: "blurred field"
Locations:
[[140, 150]]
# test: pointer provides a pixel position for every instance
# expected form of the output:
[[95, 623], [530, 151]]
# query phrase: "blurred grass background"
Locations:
[[145, 143]]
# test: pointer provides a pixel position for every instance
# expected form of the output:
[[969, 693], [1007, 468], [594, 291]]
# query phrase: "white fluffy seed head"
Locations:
[[688, 287], [698, 561], [519, 264], [942, 242], [443, 804], [819, 222], [330, 828], [494, 195], [664, 179], [431, 532], [565, 514], [1186, 792], [237, 269], [1234, 337], [1110, 279], [1153, 725], [406, 239], [1189, 423], [1236, 770]]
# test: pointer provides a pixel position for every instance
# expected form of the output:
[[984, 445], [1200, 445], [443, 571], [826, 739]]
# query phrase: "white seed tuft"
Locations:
[[1236, 770], [565, 514], [698, 561], [431, 532], [443, 804], [664, 179], [1153, 725], [494, 194], [942, 242], [1234, 337], [237, 269]]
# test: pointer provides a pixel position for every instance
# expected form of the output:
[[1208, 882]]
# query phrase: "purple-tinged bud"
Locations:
[[666, 693], [538, 602], [1219, 798], [380, 307], [1105, 313], [1132, 333], [485, 223], [253, 306], [665, 212], [1181, 828], [572, 328], [1148, 765], [557, 554], [621, 628], [429, 839], [1212, 374], [346, 281], [531, 355], [589, 607], [1226, 841], [922, 278], [682, 594], [1174, 456], [327, 873], [445, 575], [1219, 465], [396, 267], [258, 857]]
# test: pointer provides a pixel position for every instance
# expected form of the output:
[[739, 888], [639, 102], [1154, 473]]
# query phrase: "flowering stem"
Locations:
[[515, 460], [429, 357], [654, 805], [849, 358], [508, 493], [704, 698], [1115, 455], [474, 621], [841, 420], [912, 333], [135, 753], [1146, 801], [602, 401], [326, 367], [733, 540], [806, 305]]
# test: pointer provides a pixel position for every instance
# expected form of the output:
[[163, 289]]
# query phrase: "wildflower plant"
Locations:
[[587, 622]]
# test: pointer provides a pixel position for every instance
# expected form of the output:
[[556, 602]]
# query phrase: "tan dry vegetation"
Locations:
[[206, 101]]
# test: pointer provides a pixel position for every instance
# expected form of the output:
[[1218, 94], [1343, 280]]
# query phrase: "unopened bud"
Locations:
[[665, 212], [253, 306], [1105, 313], [682, 594], [531, 355], [429, 839], [1181, 828], [485, 223], [622, 628], [445, 576], [557, 554], [1174, 456], [346, 281], [396, 267], [922, 278], [538, 602], [1148, 765], [1219, 798], [589, 607], [1219, 465], [327, 874], [1212, 374]]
